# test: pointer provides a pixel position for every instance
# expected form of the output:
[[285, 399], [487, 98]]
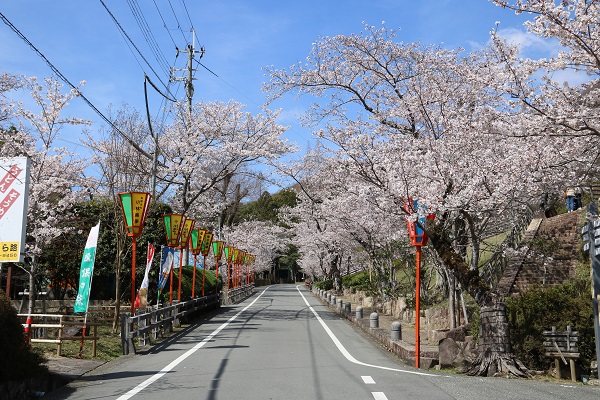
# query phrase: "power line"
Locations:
[[148, 36], [188, 14], [64, 79], [165, 24], [133, 44], [178, 24]]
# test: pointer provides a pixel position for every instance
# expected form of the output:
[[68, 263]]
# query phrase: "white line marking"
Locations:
[[379, 396], [185, 355], [347, 354], [368, 380]]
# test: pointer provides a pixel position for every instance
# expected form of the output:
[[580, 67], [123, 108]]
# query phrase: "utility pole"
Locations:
[[189, 86]]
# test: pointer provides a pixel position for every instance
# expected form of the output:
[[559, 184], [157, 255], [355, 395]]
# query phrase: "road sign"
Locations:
[[14, 192]]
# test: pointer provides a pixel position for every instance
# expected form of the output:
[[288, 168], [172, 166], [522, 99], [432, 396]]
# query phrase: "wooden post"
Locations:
[[60, 332]]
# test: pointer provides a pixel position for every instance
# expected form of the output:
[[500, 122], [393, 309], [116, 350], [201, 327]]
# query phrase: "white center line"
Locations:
[[368, 380], [379, 396], [185, 355]]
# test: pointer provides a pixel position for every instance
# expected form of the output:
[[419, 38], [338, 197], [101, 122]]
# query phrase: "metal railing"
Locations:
[[148, 326], [493, 269]]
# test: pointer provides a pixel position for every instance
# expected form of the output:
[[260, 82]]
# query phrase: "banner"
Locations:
[[142, 296], [166, 263], [14, 192], [86, 271]]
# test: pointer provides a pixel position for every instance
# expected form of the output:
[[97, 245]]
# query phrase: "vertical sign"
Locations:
[[14, 192], [86, 272]]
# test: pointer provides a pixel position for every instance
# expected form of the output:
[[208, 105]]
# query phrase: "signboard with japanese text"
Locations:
[[14, 193], [86, 271]]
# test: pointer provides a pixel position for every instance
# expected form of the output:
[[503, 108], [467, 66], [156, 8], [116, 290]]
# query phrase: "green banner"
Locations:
[[86, 271]]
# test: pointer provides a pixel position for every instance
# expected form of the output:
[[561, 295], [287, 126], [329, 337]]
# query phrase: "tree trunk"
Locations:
[[451, 299], [495, 351]]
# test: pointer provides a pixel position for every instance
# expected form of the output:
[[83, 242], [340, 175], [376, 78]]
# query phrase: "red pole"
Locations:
[[194, 278], [203, 274], [216, 268], [171, 285], [417, 306], [133, 249], [180, 268]]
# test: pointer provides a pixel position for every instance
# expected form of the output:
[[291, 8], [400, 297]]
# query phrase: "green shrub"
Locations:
[[324, 285], [539, 310], [17, 360], [358, 281]]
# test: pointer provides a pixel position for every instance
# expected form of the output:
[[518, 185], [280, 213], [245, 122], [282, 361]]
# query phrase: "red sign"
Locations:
[[9, 178], [8, 201]]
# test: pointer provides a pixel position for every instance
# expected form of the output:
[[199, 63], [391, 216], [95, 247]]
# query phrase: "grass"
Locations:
[[108, 346]]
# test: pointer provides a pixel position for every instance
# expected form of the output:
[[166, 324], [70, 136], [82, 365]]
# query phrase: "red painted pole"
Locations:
[[417, 306], [180, 268], [171, 285], [194, 277], [133, 249], [203, 274]]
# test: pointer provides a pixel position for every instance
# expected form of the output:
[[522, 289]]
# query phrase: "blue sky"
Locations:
[[240, 37]]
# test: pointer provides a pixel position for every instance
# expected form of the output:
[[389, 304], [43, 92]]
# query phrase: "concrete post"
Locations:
[[359, 312], [332, 301], [347, 307], [329, 297], [396, 331], [339, 304], [374, 320]]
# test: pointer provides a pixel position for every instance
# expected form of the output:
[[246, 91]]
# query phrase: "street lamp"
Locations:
[[217, 247], [184, 241], [135, 207], [196, 238], [418, 238], [173, 224], [205, 249]]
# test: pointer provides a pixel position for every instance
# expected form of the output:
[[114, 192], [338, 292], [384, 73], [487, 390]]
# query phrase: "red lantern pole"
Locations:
[[417, 306], [194, 277], [133, 249], [180, 274], [203, 274]]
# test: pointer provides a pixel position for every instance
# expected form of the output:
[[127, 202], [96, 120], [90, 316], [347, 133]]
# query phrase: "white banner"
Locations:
[[14, 193]]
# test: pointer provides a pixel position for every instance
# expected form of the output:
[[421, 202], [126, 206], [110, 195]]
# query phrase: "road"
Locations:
[[282, 343]]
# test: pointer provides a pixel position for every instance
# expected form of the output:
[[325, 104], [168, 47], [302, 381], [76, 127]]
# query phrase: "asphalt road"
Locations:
[[282, 343]]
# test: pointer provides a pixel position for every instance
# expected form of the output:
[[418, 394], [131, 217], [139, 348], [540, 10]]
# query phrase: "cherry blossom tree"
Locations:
[[56, 176], [218, 140], [437, 125], [262, 239]]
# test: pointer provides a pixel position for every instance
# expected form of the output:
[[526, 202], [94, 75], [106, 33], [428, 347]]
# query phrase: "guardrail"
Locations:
[[40, 329], [150, 325], [238, 294]]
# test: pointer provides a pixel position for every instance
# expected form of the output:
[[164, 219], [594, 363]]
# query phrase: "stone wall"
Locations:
[[431, 319]]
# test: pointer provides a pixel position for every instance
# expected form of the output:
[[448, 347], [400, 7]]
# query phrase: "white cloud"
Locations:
[[530, 45]]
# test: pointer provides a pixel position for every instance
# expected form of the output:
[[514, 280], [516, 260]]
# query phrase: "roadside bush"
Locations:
[[539, 310], [358, 281], [324, 285], [18, 361]]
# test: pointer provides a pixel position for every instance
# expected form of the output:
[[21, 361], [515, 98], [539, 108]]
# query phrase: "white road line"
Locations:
[[368, 380], [185, 355], [379, 396], [347, 354]]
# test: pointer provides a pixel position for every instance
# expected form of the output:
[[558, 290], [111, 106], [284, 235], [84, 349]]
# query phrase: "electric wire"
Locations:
[[188, 14], [68, 82], [133, 44], [148, 35], [178, 24], [165, 24]]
